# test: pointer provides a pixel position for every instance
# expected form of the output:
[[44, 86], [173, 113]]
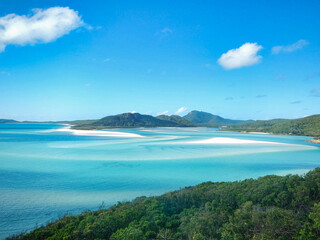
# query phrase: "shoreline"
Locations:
[[227, 140], [258, 132], [263, 133], [97, 133], [217, 188], [314, 140]]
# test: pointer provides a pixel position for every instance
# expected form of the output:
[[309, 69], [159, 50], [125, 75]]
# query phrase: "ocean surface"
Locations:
[[46, 173]]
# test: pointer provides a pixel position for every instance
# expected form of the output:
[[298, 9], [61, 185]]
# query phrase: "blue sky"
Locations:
[[237, 59]]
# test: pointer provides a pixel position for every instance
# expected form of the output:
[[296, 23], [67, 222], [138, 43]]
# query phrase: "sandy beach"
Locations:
[[315, 140], [259, 132], [225, 140], [98, 133]]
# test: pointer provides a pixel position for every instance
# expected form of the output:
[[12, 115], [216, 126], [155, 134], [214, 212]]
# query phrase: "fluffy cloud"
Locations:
[[164, 32], [181, 110], [246, 55], [43, 26], [290, 48], [163, 113]]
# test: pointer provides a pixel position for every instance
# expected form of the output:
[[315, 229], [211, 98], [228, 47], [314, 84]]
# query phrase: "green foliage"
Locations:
[[308, 126], [182, 122], [271, 207], [311, 228], [7, 121], [130, 120], [210, 120]]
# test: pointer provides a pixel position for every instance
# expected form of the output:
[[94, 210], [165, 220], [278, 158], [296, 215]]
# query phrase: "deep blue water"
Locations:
[[46, 173]]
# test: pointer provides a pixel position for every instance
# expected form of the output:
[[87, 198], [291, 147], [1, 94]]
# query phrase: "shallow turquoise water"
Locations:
[[45, 173]]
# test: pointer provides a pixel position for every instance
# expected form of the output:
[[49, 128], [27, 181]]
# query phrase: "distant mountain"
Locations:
[[182, 122], [8, 121], [307, 126], [77, 122], [130, 120], [208, 119]]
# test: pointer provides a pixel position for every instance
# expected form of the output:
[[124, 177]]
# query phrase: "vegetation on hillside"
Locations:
[[182, 122], [307, 126], [130, 120], [210, 120], [7, 121], [271, 207]]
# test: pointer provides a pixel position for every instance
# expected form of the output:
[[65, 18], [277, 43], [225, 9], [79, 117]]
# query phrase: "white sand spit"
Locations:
[[260, 133], [98, 133], [226, 140]]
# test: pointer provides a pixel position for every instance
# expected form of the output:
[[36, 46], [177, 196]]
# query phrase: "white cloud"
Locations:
[[181, 110], [290, 48], [163, 113], [43, 26], [166, 30], [245, 55]]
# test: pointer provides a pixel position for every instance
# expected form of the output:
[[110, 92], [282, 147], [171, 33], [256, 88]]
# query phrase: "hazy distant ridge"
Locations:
[[8, 121], [208, 119]]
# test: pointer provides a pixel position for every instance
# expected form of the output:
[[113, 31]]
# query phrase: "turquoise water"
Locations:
[[45, 173]]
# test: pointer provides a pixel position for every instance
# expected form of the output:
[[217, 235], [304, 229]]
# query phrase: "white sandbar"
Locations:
[[226, 140], [98, 133]]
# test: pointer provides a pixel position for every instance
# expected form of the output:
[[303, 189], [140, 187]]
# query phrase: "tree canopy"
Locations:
[[271, 207]]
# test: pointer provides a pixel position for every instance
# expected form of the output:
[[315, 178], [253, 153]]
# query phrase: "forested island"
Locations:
[[206, 119], [307, 126], [131, 120], [270, 207]]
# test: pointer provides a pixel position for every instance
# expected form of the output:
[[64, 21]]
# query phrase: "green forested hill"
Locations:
[[307, 126], [7, 121], [270, 207], [182, 122], [127, 120], [208, 119]]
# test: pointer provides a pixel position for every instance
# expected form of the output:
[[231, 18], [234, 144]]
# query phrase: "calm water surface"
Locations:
[[45, 174]]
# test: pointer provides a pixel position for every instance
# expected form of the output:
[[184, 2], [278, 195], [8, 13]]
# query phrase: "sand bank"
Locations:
[[98, 133], [226, 140], [259, 132], [315, 140]]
